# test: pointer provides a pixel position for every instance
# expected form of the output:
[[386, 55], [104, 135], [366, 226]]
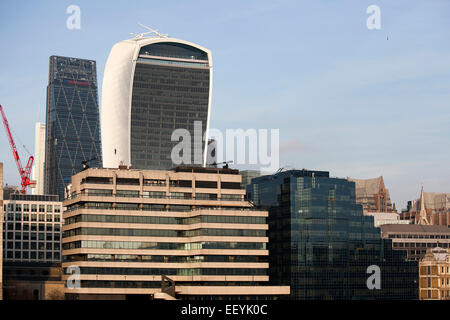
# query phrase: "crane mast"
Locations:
[[24, 174]]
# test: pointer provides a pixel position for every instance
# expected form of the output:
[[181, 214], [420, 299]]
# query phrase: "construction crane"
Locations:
[[24, 174]]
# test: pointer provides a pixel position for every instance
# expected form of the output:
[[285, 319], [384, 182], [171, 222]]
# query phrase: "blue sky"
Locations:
[[344, 97]]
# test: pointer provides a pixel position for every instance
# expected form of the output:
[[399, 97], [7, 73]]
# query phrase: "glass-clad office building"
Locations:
[[322, 245], [73, 128], [153, 87]]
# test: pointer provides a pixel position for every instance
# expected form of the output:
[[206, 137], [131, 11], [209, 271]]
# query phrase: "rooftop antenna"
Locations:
[[150, 31]]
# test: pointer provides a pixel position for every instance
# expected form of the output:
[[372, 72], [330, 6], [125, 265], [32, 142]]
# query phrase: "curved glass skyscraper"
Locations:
[[151, 87]]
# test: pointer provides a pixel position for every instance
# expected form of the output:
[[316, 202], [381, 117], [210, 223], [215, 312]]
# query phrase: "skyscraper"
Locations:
[[321, 243], [72, 121], [39, 158], [151, 87]]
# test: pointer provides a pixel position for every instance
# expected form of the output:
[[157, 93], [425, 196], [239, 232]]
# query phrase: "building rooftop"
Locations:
[[416, 228], [32, 197], [368, 186], [294, 173]]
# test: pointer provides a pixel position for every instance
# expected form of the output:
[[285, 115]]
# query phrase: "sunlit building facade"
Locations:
[[73, 127], [128, 229], [321, 243], [153, 86]]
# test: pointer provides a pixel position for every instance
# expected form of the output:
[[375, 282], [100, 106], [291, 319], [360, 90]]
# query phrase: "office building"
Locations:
[[381, 218], [321, 243], [435, 274], [72, 127], [39, 158], [416, 239], [373, 195], [32, 228], [127, 230], [151, 87], [247, 176], [430, 209]]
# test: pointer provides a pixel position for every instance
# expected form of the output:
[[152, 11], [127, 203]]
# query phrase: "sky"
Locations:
[[354, 101]]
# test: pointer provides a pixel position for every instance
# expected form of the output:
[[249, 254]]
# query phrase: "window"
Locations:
[[41, 208], [34, 208]]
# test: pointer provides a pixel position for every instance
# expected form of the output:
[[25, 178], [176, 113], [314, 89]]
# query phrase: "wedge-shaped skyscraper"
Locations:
[[153, 86]]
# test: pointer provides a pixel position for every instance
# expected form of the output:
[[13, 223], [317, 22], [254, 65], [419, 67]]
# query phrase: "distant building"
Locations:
[[39, 158], [32, 227], [127, 230], [416, 239], [321, 244], [430, 209], [8, 190], [435, 275], [381, 218], [373, 195], [151, 87], [72, 126], [247, 176], [33, 281]]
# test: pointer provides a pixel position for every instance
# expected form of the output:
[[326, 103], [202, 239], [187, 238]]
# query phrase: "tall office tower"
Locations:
[[321, 243], [72, 121], [129, 229], [39, 158], [151, 87]]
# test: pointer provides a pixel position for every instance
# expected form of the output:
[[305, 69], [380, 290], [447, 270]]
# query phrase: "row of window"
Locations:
[[419, 244], [164, 220], [33, 255], [32, 207], [159, 182], [175, 271], [166, 259], [164, 233], [33, 245], [164, 245], [148, 207], [157, 285], [33, 227], [32, 217], [33, 236], [420, 236]]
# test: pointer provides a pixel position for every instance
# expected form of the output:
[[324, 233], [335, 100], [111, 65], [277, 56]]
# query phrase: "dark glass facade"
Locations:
[[321, 244], [170, 91], [73, 128]]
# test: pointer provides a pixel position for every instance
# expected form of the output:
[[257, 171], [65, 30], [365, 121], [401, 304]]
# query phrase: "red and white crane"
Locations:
[[24, 174]]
